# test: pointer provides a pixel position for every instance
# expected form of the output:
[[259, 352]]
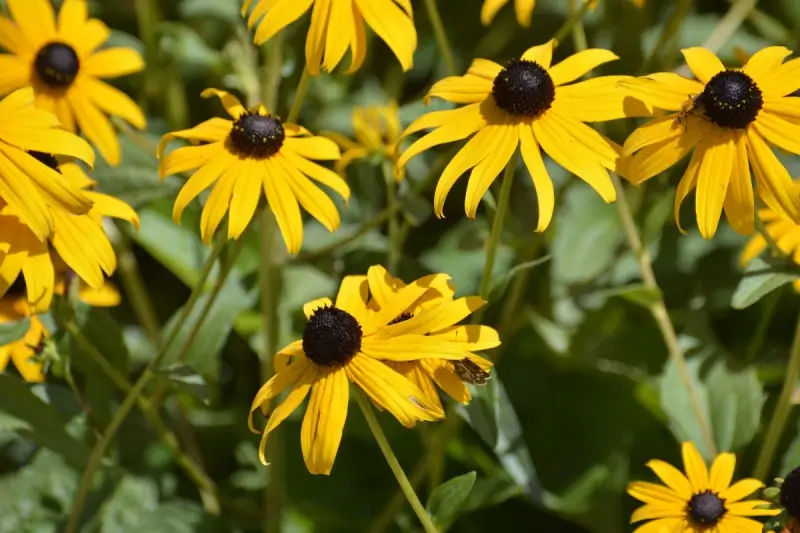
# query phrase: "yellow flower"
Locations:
[[77, 240], [783, 232], [527, 104], [377, 131], [14, 307], [27, 185], [61, 62], [700, 501], [730, 117], [347, 342], [255, 150], [337, 25], [522, 8], [449, 375]]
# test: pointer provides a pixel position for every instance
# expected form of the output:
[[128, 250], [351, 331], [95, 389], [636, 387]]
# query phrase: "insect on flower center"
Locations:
[[790, 493], [731, 99], [257, 135], [57, 65], [524, 88], [706, 508], [402, 318], [45, 158], [331, 337]]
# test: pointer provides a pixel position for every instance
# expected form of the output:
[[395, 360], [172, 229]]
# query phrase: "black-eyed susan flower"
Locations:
[[526, 104], [77, 240], [27, 185], [700, 501], [255, 150], [338, 25], [377, 133], [345, 342], [784, 233], [23, 351], [61, 61], [730, 117], [522, 9], [437, 314]]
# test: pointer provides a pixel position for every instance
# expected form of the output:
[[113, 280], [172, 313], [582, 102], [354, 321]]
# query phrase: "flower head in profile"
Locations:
[[77, 242], [527, 104], [783, 232], [522, 9], [700, 501], [729, 117], [437, 314], [239, 157], [377, 132], [61, 61], [346, 342], [338, 25], [28, 186]]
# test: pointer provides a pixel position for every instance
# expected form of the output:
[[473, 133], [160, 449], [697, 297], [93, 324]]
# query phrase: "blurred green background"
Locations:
[[583, 395]]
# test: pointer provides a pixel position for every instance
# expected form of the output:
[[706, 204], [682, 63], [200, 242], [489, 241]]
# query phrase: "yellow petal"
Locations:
[[775, 186], [325, 432], [244, 200], [199, 181], [96, 126], [739, 201], [652, 493], [111, 63], [112, 101], [765, 61], [352, 296], [219, 201], [695, 467], [35, 18], [741, 489], [310, 307], [598, 100], [313, 147], [703, 63], [318, 173], [663, 90], [712, 182], [545, 192], [13, 40], [579, 64], [490, 9], [229, 102], [211, 131], [278, 17], [541, 54], [393, 26], [721, 473], [485, 172], [283, 204], [652, 511], [461, 89], [672, 477], [311, 197]]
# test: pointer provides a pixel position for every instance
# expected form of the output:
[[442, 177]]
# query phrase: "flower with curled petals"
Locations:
[[61, 61], [527, 104], [729, 117], [522, 9], [338, 25], [347, 342], [239, 157], [700, 501]]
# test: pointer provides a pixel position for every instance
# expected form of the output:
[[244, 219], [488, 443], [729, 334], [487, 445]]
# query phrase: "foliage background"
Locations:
[[583, 395]]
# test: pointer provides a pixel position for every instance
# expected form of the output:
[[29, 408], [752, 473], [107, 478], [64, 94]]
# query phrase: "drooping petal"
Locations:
[[775, 186], [506, 138], [739, 201], [712, 181], [280, 15], [321, 436], [283, 203], [244, 200], [112, 101], [545, 192], [96, 126], [393, 26], [200, 181], [311, 197]]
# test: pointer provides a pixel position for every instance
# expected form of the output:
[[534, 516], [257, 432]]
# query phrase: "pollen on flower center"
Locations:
[[790, 493], [45, 158], [57, 65], [524, 88], [731, 99], [706, 508], [331, 337], [257, 135]]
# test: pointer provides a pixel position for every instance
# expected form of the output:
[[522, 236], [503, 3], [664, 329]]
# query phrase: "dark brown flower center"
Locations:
[[731, 99], [331, 337], [706, 509], [257, 135], [45, 158], [57, 65], [790, 493], [524, 88]]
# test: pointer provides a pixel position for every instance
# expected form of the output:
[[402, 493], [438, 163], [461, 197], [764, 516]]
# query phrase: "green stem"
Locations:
[[135, 290], [767, 312], [392, 204], [136, 390], [578, 31], [272, 72], [574, 18], [397, 470], [659, 311], [497, 230], [205, 485], [668, 31], [441, 36], [299, 96], [395, 503], [270, 286], [782, 410]]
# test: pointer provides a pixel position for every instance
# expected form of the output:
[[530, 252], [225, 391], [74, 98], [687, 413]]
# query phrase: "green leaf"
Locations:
[[736, 400], [179, 516], [447, 499], [753, 287], [492, 416], [636, 293], [133, 500], [44, 424], [499, 283], [186, 378], [13, 331]]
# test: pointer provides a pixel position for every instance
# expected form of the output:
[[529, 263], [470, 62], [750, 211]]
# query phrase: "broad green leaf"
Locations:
[[125, 511], [678, 405], [186, 379], [45, 425], [184, 49], [447, 499], [637, 293], [499, 283], [736, 400], [227, 10], [179, 516], [755, 285], [13, 331]]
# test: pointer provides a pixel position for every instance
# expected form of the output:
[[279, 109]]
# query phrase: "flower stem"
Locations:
[[270, 287], [575, 17], [782, 410], [136, 390], [299, 96], [659, 311], [140, 300], [392, 204], [496, 232], [441, 36], [397, 470], [578, 31]]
